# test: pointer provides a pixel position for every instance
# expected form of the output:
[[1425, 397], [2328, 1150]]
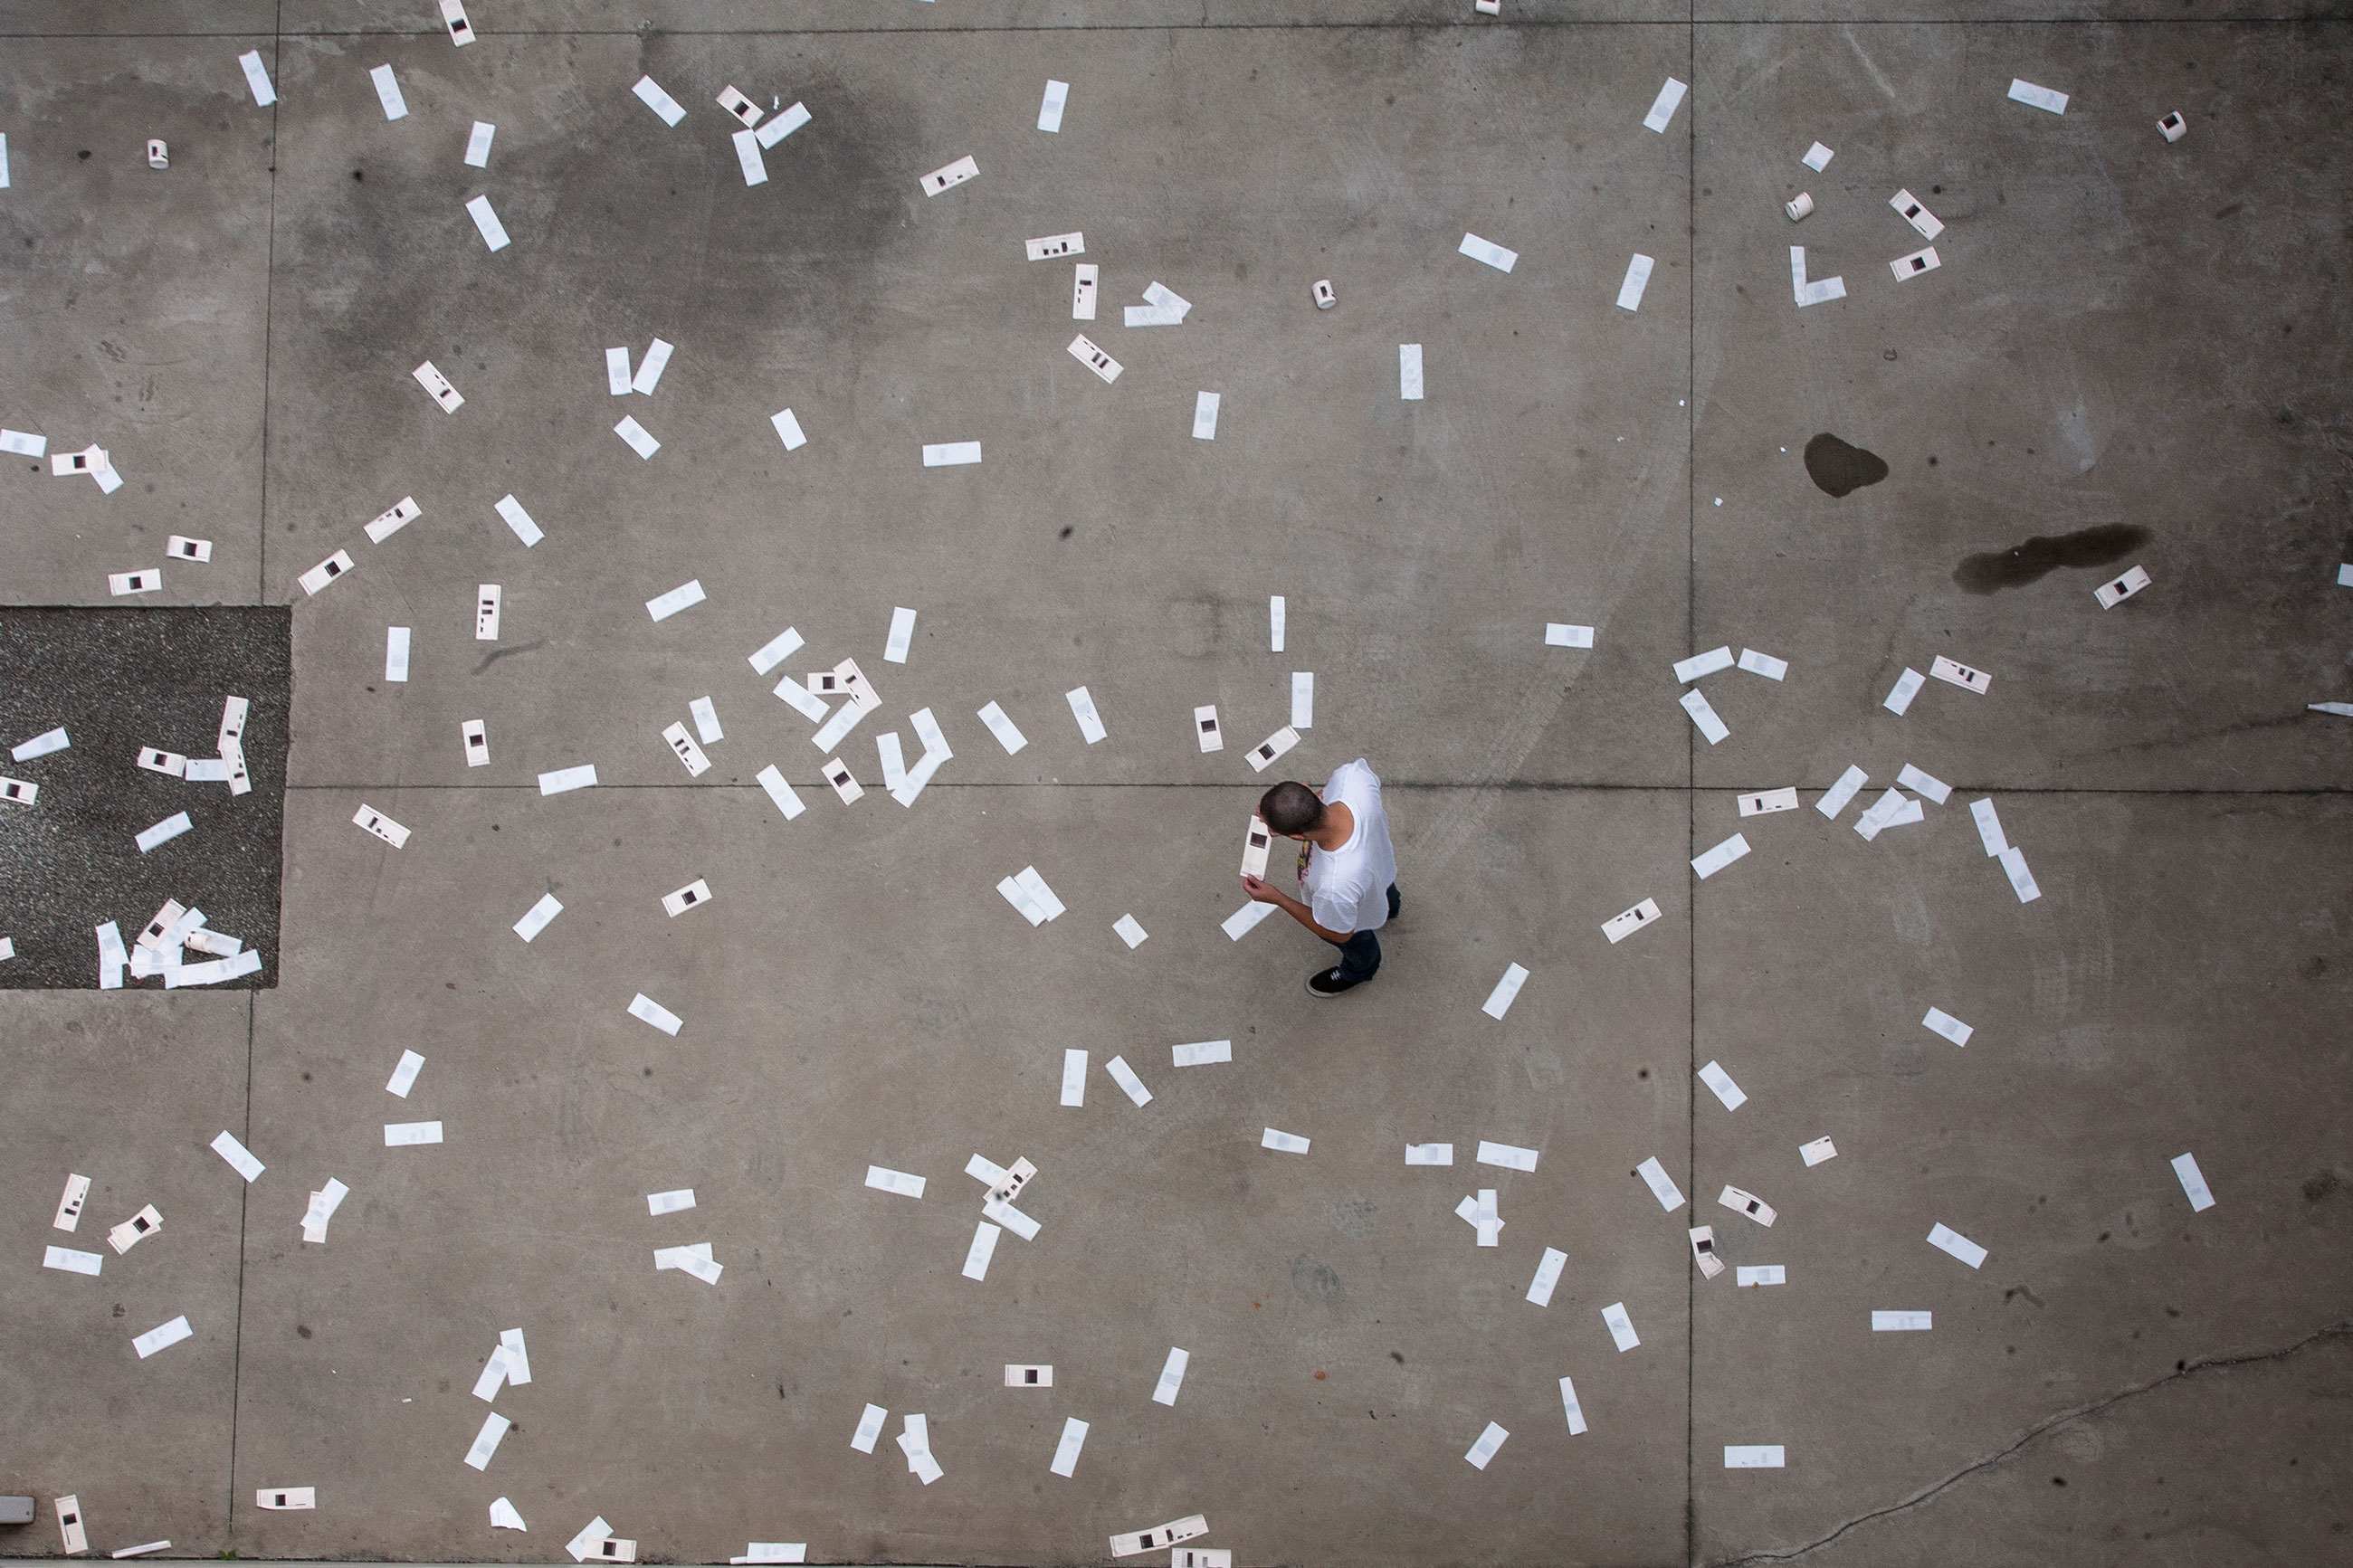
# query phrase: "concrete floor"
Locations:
[[2124, 331]]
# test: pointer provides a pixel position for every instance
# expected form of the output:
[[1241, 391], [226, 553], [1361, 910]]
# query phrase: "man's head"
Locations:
[[1291, 808]]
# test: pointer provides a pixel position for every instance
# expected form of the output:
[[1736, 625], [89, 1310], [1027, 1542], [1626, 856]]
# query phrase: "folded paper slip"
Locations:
[[1190, 1528], [1766, 802], [1493, 255]]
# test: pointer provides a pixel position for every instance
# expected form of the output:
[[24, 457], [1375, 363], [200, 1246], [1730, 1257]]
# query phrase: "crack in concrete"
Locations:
[[2204, 1364]]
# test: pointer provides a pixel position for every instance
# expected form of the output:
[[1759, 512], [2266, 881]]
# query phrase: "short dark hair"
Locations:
[[1290, 808]]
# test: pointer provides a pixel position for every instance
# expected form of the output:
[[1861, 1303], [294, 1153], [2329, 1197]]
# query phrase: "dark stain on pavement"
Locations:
[[2014, 568], [1838, 468]]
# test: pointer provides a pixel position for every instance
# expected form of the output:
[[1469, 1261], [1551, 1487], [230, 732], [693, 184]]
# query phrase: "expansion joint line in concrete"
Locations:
[[2203, 1364], [236, 1327], [1691, 777], [1472, 785], [1205, 26]]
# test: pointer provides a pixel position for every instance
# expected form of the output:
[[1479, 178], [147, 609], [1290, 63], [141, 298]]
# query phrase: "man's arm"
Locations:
[[1266, 892]]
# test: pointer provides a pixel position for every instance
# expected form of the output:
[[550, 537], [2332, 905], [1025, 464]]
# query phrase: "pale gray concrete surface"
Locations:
[[2108, 341]]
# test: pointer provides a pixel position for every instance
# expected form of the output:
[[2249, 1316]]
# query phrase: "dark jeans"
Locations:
[[1360, 955]]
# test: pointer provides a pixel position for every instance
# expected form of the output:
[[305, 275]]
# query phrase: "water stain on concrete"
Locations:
[[2014, 568], [1838, 468]]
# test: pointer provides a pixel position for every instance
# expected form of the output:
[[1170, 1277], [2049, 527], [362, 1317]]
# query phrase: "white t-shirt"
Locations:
[[1348, 888]]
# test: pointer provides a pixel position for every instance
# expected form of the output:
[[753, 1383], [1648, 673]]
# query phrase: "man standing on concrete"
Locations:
[[1347, 870]]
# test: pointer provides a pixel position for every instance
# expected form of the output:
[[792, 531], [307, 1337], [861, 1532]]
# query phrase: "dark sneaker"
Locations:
[[1327, 983]]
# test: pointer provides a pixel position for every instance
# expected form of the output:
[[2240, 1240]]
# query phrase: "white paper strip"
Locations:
[[1720, 1083], [1493, 255], [1204, 416], [2193, 1182], [77, 1193], [1277, 614], [663, 606], [650, 92], [494, 233], [644, 1007], [1662, 1187], [41, 745], [1695, 704], [1074, 1077], [1752, 1457], [1559, 634], [1245, 919], [1901, 1323], [256, 78], [1945, 1024], [639, 441], [1711, 861], [1082, 708], [411, 1134], [984, 1247], [478, 144], [948, 454], [403, 1076], [1303, 700], [883, 1179], [1484, 1449], [1835, 798], [1662, 107], [1540, 1289], [1082, 291], [163, 1334], [1086, 352], [1050, 108], [510, 510], [564, 779], [651, 368], [1066, 1452], [1945, 1239], [1574, 1412], [1007, 735], [1638, 277], [1820, 1150], [2026, 92], [1621, 1327], [1907, 686], [1202, 1053], [1764, 802], [775, 650], [748, 158], [595, 1534], [18, 441], [2022, 881], [1690, 669], [1509, 1156], [395, 654], [1284, 1143], [1410, 371], [1430, 1154], [389, 92], [869, 1427], [179, 547], [1125, 1076], [1912, 266], [169, 828], [1989, 832], [1499, 1001], [794, 116], [486, 1441], [1618, 927], [1749, 1275], [72, 1262], [903, 633], [781, 793], [239, 1157]]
